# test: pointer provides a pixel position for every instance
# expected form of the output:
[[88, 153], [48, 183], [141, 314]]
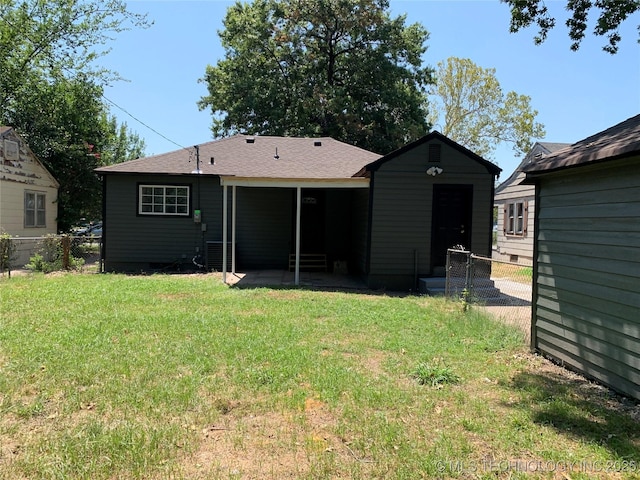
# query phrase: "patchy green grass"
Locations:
[[511, 271], [109, 376]]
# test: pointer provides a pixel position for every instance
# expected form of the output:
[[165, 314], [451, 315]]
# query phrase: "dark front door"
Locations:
[[451, 220], [312, 221]]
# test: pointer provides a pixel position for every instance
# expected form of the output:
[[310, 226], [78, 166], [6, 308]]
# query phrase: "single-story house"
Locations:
[[28, 192], [515, 204], [266, 202], [586, 292]]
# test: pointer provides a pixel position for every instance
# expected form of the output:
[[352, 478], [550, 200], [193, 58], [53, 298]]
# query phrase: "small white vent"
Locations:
[[11, 151]]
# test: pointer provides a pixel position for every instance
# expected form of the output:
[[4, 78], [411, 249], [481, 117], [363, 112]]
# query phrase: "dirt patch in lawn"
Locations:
[[269, 445]]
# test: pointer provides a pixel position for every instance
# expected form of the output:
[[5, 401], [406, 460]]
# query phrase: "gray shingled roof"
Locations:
[[538, 153], [255, 157], [619, 141]]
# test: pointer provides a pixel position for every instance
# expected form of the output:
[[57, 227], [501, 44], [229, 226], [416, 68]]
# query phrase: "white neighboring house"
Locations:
[[28, 192], [515, 204]]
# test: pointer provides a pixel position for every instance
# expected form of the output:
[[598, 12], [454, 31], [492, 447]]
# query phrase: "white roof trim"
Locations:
[[358, 182]]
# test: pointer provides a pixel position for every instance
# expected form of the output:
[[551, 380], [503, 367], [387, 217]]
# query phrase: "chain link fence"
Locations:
[[50, 253], [502, 289]]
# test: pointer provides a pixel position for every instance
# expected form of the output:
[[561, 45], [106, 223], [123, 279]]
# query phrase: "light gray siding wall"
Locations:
[[264, 227], [509, 245], [402, 213], [588, 272], [133, 241]]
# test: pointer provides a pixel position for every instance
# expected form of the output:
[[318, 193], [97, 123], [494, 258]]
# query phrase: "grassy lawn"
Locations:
[[510, 271], [109, 376]]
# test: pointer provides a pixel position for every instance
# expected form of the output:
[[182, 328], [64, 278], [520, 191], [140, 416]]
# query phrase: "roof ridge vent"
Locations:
[[317, 143], [251, 140]]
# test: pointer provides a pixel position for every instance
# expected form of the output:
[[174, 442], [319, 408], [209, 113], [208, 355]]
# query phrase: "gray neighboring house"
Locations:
[[586, 294], [515, 203], [249, 203]]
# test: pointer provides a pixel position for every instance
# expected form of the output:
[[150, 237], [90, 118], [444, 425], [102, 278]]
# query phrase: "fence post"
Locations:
[[447, 274], [468, 279], [66, 247]]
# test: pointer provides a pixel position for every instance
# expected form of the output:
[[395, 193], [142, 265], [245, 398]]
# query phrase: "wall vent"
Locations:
[[214, 256], [434, 152], [11, 150]]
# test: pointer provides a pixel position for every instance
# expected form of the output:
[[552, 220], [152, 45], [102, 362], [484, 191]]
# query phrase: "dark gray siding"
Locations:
[[264, 227], [136, 242], [588, 272], [402, 213]]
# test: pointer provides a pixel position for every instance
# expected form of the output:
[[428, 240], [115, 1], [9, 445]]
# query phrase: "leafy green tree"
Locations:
[[469, 106], [339, 68], [66, 124], [59, 120], [51, 91], [53, 38], [119, 144], [611, 14]]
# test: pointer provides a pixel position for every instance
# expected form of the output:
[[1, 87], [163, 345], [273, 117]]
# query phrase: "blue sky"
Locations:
[[576, 93]]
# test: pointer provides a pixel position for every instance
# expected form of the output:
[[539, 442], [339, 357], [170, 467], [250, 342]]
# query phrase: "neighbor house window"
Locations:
[[163, 200], [35, 209], [515, 218]]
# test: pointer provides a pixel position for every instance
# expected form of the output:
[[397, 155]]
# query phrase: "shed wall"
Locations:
[[588, 272], [401, 221]]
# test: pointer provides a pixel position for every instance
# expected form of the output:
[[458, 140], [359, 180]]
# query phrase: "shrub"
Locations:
[[7, 252], [50, 257]]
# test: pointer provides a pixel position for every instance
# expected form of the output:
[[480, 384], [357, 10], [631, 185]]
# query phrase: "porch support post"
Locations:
[[233, 231], [298, 215], [224, 233]]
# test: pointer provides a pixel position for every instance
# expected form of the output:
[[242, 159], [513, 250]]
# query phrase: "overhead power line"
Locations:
[[143, 124]]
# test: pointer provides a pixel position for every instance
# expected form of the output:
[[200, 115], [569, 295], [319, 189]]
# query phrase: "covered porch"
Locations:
[[316, 219]]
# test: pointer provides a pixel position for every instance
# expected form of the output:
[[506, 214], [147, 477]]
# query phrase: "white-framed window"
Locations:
[[35, 209], [163, 200], [515, 218]]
